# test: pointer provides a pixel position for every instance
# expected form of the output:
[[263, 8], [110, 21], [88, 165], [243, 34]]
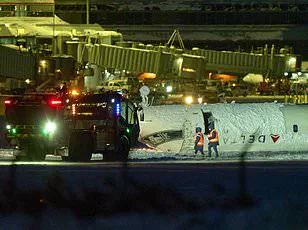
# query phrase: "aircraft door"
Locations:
[[206, 119]]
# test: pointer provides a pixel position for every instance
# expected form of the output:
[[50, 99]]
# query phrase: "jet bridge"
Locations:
[[161, 60], [241, 62], [164, 60], [151, 59], [132, 59], [16, 63]]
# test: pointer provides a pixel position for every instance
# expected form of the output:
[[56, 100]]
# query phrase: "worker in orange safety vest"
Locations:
[[199, 141], [213, 140]]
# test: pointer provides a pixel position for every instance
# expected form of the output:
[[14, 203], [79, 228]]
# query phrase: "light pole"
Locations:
[[87, 13], [54, 19], [53, 28]]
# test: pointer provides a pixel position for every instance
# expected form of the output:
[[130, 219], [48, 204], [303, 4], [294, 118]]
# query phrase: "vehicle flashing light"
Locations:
[[12, 131], [74, 92], [55, 102], [45, 132], [8, 102], [118, 109], [50, 127], [74, 109]]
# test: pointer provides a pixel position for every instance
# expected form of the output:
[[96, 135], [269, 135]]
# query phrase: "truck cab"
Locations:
[[104, 123], [34, 123]]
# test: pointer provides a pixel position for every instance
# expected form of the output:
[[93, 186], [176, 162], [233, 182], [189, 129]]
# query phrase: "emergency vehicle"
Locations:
[[40, 124]]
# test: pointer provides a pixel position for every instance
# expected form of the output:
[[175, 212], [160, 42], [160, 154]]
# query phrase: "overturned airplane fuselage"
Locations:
[[242, 127]]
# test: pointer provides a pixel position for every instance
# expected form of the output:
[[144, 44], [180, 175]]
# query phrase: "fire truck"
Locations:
[[44, 123]]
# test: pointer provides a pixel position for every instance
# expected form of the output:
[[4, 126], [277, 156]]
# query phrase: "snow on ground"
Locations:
[[147, 154], [224, 156]]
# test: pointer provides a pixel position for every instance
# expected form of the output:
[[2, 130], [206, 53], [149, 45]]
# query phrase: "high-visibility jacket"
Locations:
[[211, 138], [201, 139]]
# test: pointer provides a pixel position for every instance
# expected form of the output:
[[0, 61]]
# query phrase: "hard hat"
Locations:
[[198, 129]]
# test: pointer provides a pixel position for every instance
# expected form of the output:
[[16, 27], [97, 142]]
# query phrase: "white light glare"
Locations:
[[188, 100], [50, 127], [169, 89], [8, 127], [43, 63], [292, 61], [200, 99]]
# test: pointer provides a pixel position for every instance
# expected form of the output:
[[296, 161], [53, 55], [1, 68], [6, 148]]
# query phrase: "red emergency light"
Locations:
[[55, 102], [8, 102]]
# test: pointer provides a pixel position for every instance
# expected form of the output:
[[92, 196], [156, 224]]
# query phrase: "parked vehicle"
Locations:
[[238, 89], [116, 85]]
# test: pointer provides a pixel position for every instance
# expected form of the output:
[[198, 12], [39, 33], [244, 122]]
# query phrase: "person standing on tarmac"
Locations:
[[199, 141], [63, 90], [144, 92], [213, 140]]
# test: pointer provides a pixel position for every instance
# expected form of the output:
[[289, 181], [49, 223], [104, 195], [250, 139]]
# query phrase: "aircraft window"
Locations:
[[295, 128]]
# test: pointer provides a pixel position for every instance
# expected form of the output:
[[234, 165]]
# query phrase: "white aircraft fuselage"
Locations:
[[262, 127]]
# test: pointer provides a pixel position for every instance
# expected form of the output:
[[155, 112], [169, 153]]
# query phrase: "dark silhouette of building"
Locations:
[[184, 12], [153, 21]]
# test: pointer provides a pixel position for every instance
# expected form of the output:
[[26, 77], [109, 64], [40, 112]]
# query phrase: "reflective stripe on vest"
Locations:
[[201, 140], [211, 134]]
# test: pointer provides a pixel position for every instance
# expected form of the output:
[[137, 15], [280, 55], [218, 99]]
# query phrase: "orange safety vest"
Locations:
[[201, 140], [211, 134]]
